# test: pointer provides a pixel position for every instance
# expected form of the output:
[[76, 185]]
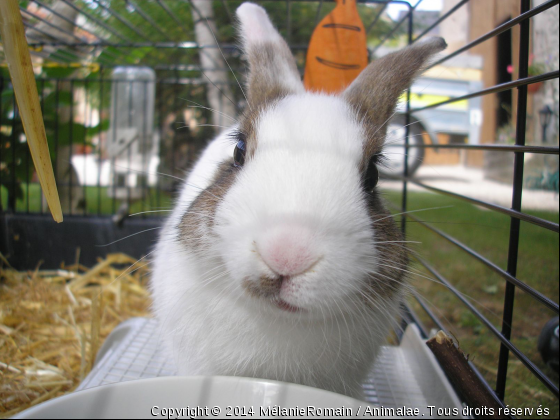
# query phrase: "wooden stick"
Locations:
[[466, 383], [25, 88]]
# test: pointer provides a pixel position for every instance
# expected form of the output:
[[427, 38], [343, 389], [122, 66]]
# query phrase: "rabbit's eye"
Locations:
[[372, 174], [239, 153]]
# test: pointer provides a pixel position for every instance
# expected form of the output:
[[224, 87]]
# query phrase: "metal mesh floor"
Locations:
[[403, 376], [130, 352]]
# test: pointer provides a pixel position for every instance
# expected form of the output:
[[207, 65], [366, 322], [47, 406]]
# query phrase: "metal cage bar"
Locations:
[[497, 269], [376, 19], [492, 147], [166, 44], [522, 81], [515, 215], [148, 19], [76, 24], [12, 202], [510, 212], [121, 19], [398, 25], [518, 166], [55, 13], [169, 12], [519, 149], [500, 29], [58, 42], [410, 17], [500, 336], [1, 121], [51, 57], [46, 22], [96, 21], [441, 19], [442, 327]]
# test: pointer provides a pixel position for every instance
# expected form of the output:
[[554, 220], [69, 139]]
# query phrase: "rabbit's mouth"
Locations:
[[285, 306], [271, 290]]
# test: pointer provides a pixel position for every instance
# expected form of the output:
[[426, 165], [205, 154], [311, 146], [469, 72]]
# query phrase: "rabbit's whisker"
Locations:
[[412, 211], [197, 105], [223, 56], [129, 236], [148, 211]]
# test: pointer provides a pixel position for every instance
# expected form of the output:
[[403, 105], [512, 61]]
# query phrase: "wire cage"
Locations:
[[124, 100]]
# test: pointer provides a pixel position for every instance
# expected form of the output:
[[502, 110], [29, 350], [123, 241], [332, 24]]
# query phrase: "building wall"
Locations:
[[484, 16], [545, 50], [455, 29]]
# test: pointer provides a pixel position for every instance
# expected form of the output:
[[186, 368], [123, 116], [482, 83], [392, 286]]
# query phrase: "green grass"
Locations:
[[97, 201], [487, 233]]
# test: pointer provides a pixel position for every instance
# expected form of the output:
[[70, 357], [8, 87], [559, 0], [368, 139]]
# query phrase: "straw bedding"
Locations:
[[52, 322]]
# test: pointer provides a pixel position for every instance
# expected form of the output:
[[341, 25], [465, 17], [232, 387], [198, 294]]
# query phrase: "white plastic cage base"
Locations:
[[407, 375]]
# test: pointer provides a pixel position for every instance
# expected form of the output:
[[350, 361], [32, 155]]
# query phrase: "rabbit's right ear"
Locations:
[[374, 94], [272, 68]]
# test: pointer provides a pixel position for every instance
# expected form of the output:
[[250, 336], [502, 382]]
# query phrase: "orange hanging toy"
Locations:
[[337, 51]]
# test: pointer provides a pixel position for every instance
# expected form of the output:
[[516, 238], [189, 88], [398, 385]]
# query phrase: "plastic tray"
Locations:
[[407, 375]]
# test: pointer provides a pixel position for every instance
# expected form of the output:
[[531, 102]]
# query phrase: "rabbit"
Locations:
[[279, 260]]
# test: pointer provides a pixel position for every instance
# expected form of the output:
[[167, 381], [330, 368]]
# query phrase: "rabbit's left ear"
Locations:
[[272, 68], [375, 92]]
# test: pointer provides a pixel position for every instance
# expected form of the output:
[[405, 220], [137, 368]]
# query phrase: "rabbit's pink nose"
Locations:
[[288, 250]]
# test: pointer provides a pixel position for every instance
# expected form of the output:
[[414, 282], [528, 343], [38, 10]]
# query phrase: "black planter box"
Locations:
[[27, 240]]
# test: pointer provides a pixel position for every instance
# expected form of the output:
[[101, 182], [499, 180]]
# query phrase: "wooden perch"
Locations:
[[465, 381], [23, 79]]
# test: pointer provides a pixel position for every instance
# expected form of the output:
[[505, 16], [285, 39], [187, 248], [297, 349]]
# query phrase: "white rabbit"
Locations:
[[279, 260]]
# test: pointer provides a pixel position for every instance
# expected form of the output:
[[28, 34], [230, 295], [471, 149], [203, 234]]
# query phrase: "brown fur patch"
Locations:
[[270, 64], [264, 287], [249, 121], [272, 76], [374, 94], [197, 222], [392, 257]]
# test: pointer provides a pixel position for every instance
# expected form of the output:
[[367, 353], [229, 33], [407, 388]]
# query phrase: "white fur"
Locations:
[[304, 175], [203, 172], [304, 171], [257, 29]]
